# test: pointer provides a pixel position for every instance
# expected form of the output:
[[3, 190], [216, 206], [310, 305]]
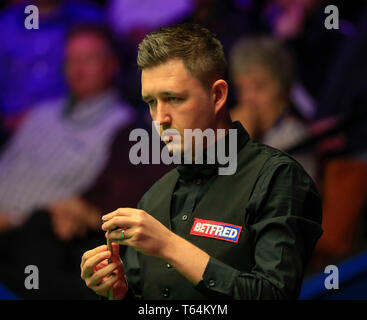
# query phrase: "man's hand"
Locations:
[[101, 276], [73, 217], [141, 231], [147, 235]]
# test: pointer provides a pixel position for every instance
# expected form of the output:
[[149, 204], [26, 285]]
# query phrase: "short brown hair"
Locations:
[[201, 53], [101, 31], [264, 51]]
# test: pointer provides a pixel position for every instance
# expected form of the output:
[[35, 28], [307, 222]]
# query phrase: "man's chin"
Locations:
[[173, 149]]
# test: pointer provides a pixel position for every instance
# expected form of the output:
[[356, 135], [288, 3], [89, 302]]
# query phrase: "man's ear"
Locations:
[[219, 94]]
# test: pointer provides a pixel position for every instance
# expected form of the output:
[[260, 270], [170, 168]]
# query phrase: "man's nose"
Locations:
[[162, 114]]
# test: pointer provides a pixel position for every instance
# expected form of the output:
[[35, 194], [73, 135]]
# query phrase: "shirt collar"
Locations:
[[89, 110], [190, 172]]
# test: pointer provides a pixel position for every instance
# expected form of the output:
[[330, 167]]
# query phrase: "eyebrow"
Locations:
[[146, 98], [164, 93]]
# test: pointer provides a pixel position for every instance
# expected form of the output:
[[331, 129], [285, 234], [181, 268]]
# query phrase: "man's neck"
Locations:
[[91, 96], [224, 122]]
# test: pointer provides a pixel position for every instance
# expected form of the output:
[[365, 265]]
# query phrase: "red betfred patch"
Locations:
[[216, 230]]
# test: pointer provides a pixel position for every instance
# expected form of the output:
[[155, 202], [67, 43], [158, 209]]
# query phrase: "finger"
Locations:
[[89, 265], [102, 289], [97, 277], [93, 252], [101, 265], [119, 212], [109, 215], [117, 222], [119, 234]]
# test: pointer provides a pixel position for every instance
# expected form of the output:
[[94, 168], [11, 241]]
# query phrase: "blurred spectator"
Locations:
[[345, 178], [74, 167], [63, 144], [300, 25], [55, 238], [31, 60], [262, 72], [121, 184], [287, 17], [133, 19], [228, 20]]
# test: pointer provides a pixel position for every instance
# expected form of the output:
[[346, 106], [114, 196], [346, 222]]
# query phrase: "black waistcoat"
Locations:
[[225, 201]]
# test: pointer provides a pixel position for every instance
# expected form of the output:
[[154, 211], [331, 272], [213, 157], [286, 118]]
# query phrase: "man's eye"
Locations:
[[152, 103], [174, 99]]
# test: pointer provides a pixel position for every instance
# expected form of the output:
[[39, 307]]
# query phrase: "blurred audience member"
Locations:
[[345, 177], [66, 166], [55, 238], [133, 19], [121, 184], [300, 25], [262, 72], [228, 20], [63, 144], [31, 60], [287, 17]]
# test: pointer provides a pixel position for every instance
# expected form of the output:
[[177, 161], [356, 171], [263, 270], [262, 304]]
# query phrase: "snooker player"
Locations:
[[197, 234]]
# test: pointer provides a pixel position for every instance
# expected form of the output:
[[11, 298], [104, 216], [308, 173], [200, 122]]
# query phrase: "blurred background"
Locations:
[[70, 94]]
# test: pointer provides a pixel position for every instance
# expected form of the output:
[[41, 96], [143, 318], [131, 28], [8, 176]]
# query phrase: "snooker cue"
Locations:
[[109, 261]]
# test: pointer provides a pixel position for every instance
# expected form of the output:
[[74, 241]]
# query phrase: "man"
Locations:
[[177, 248], [64, 144], [31, 59]]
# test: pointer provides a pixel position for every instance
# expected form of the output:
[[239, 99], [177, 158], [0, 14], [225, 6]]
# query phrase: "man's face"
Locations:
[[258, 90], [177, 100], [89, 66]]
